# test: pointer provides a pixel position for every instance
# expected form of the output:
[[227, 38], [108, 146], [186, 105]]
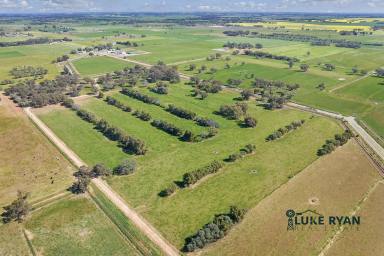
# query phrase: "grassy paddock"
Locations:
[[168, 158], [338, 195], [99, 65], [75, 227]]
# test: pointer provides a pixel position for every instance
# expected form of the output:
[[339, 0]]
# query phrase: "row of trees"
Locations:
[[314, 40], [214, 230], [114, 102], [128, 143], [193, 177], [284, 130], [139, 96], [266, 55], [233, 45], [181, 112], [167, 127], [128, 43], [248, 149], [32, 41], [28, 71], [331, 145]]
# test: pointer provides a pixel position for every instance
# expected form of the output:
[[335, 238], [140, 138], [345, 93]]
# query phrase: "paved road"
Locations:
[[379, 150], [140, 222]]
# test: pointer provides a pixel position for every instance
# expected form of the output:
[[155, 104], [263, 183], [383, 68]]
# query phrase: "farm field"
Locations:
[[162, 148], [366, 240], [338, 195], [99, 65], [29, 162], [75, 227], [196, 121]]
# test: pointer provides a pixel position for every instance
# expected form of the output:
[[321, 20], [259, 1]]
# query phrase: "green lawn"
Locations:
[[168, 158], [99, 65]]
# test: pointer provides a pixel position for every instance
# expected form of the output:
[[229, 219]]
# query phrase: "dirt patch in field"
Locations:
[[332, 185]]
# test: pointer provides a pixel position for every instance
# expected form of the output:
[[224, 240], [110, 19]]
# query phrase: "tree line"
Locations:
[[314, 40], [33, 41], [248, 149], [284, 130], [128, 143], [215, 230], [332, 144], [266, 55], [233, 45]]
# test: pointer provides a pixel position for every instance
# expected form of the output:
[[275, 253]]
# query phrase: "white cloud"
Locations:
[[14, 4]]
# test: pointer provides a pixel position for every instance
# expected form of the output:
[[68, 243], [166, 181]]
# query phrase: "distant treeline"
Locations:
[[42, 40], [314, 40]]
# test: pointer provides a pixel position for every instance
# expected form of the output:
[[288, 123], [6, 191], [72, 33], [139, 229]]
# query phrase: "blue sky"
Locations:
[[28, 6]]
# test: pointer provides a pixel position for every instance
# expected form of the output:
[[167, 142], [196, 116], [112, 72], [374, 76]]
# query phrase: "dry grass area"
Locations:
[[369, 239], [29, 162], [12, 241], [338, 182]]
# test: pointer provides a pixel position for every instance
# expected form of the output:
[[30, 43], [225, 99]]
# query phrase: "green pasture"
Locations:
[[168, 158], [99, 65], [76, 227]]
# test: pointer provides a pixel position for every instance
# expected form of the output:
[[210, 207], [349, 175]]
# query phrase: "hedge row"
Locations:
[[128, 143], [282, 131], [331, 145], [118, 104], [139, 96], [192, 177], [167, 127], [248, 149], [214, 230]]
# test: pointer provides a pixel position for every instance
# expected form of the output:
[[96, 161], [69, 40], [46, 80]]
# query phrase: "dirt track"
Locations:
[[140, 222]]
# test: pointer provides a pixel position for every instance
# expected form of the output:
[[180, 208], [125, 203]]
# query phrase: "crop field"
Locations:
[[338, 195], [75, 227], [99, 65], [29, 162], [170, 215]]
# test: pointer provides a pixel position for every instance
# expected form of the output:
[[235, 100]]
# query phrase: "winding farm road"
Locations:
[[130, 213]]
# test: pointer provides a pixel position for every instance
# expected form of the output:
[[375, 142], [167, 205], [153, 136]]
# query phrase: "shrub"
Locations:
[[190, 178], [206, 122], [142, 115], [282, 131], [331, 145], [126, 167], [250, 121], [215, 230], [167, 127], [169, 190], [180, 112], [233, 111]]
